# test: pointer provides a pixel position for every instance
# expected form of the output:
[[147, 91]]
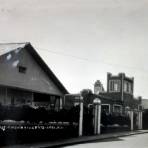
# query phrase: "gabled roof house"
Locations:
[[26, 79]]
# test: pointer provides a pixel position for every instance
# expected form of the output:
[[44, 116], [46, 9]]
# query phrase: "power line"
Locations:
[[90, 60]]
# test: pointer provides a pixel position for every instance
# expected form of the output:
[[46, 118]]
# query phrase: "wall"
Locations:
[[145, 103]]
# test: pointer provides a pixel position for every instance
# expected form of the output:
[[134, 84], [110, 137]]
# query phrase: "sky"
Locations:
[[82, 40]]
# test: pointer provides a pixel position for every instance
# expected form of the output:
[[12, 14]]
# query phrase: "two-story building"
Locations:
[[119, 94], [118, 97]]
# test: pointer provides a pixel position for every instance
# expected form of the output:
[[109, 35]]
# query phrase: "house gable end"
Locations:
[[32, 76]]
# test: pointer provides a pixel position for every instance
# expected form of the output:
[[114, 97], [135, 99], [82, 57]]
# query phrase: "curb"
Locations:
[[79, 140], [86, 139]]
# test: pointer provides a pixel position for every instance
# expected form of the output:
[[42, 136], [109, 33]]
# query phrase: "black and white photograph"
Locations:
[[73, 73]]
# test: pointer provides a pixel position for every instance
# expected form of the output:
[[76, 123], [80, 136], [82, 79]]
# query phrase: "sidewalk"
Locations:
[[78, 140]]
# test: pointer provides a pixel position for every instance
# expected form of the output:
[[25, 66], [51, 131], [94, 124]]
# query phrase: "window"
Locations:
[[114, 85], [117, 108], [127, 87], [22, 69], [105, 108]]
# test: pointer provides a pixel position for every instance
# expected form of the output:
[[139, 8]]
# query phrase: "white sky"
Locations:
[[107, 35]]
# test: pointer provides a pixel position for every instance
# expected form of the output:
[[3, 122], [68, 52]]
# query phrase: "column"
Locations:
[[99, 119], [95, 119], [61, 103], [132, 119], [97, 116], [81, 117], [32, 98], [141, 118]]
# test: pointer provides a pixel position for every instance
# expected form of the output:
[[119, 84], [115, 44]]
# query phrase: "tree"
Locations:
[[86, 92], [87, 95]]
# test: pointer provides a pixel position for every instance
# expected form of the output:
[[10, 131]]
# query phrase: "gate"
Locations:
[[88, 128], [135, 120]]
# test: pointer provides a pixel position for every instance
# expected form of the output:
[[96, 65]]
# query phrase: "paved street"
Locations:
[[134, 141]]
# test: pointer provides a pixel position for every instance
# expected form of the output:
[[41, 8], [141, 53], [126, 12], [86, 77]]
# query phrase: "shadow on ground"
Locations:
[[95, 141], [108, 140]]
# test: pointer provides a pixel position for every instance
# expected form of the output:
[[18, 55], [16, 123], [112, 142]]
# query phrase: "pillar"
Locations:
[[141, 119], [97, 116], [81, 117], [60, 103], [95, 119], [99, 119], [32, 98], [132, 120]]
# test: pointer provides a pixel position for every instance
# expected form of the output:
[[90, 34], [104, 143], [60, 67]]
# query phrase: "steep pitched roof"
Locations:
[[8, 47]]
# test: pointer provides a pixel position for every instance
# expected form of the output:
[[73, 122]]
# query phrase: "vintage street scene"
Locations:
[[73, 73]]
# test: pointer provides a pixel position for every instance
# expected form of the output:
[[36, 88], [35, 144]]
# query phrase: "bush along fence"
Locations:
[[25, 124]]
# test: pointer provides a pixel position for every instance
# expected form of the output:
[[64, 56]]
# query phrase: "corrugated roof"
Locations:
[[8, 47]]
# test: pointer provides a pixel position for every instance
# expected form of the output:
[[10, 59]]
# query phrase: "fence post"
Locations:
[[131, 115], [141, 118], [94, 118], [99, 118], [132, 120], [81, 117], [97, 115]]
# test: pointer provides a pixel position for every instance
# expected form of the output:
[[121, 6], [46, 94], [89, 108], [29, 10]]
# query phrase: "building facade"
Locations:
[[117, 99], [26, 79], [145, 104], [119, 94]]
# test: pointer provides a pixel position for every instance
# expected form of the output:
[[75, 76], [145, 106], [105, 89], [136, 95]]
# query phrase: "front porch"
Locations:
[[17, 97]]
